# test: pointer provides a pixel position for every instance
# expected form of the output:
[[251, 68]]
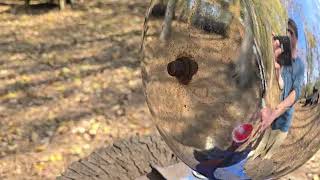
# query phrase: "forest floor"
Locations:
[[70, 83]]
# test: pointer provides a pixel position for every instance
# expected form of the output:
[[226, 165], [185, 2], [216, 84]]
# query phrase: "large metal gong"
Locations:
[[212, 85]]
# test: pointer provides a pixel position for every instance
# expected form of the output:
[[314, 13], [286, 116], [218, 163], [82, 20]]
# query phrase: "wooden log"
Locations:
[[126, 159]]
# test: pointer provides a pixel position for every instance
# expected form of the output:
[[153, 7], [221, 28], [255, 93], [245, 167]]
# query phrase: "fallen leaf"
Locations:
[[76, 150], [96, 86], [55, 157], [86, 146], [41, 148], [77, 81], [62, 129], [60, 87], [106, 129], [25, 79], [87, 137], [94, 128], [10, 95], [66, 70], [39, 166], [79, 130]]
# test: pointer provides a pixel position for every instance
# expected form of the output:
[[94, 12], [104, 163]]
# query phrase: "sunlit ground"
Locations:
[[69, 83]]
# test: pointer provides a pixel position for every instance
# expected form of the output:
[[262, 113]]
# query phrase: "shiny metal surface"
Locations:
[[210, 78]]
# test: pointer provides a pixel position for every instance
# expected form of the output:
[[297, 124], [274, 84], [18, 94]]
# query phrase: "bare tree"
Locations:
[[245, 62], [167, 25]]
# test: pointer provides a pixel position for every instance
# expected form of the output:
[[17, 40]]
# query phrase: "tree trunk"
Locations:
[[195, 12], [166, 27], [244, 65], [26, 3], [62, 4]]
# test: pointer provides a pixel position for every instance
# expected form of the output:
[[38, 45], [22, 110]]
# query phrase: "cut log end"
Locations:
[[127, 159]]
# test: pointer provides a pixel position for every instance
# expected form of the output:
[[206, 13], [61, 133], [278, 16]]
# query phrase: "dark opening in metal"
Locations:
[[183, 68]]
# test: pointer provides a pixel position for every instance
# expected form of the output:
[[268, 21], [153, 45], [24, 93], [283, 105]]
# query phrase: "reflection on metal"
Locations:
[[206, 82], [209, 17]]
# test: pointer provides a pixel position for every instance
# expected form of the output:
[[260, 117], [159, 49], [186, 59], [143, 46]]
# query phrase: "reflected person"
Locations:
[[290, 80]]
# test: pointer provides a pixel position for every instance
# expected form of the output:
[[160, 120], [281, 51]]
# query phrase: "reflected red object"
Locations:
[[242, 132]]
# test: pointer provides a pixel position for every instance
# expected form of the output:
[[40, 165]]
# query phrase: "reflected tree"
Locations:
[[166, 27], [310, 46]]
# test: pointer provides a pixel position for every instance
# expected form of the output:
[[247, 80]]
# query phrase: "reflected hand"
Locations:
[[277, 51], [267, 118]]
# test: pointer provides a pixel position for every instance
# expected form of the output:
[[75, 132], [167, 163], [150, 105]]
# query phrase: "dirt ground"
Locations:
[[70, 82]]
